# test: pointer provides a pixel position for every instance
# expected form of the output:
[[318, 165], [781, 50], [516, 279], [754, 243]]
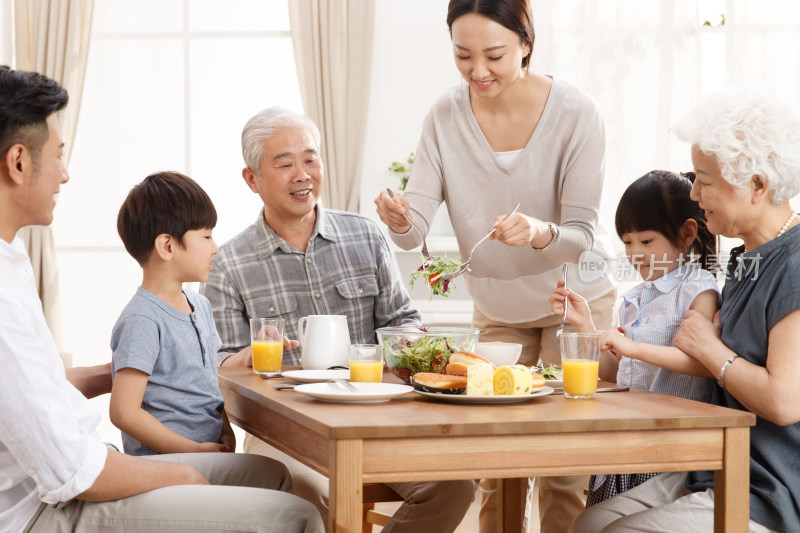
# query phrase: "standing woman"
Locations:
[[510, 135]]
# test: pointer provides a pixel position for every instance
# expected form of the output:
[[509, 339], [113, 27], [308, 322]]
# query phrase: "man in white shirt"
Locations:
[[55, 475]]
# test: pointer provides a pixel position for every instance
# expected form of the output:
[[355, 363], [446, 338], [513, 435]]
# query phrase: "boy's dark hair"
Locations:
[[659, 201], [164, 202], [512, 14], [26, 100]]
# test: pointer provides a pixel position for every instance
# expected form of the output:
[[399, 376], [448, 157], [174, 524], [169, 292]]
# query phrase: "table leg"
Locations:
[[510, 492], [346, 492], [732, 483]]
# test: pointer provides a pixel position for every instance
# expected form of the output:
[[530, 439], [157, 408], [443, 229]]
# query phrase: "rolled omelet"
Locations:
[[512, 379]]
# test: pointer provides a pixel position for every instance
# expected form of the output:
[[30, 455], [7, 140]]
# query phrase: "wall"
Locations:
[[412, 65]]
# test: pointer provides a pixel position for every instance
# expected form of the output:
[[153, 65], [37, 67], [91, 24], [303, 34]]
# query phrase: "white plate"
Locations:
[[510, 398], [367, 392], [315, 376]]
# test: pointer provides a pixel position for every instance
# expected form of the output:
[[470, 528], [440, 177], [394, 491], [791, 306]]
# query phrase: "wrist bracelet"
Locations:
[[553, 240], [723, 370]]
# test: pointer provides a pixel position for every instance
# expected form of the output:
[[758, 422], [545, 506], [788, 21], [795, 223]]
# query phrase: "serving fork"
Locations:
[[560, 330], [465, 265], [424, 244]]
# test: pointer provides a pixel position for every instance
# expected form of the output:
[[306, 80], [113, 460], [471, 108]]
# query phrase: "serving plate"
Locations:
[[315, 376], [510, 398], [367, 392]]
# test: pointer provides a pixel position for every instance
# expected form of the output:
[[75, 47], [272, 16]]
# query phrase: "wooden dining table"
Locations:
[[415, 438]]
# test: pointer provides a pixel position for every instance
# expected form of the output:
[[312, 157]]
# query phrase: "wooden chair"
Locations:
[[375, 493]]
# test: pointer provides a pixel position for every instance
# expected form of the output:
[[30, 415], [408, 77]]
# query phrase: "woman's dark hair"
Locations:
[[659, 201], [26, 100], [164, 202], [513, 14]]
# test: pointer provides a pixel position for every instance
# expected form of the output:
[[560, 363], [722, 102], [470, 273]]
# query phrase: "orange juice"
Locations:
[[580, 377], [371, 371], [267, 356]]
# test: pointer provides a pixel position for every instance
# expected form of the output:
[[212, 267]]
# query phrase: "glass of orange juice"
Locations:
[[579, 362], [266, 341], [366, 363]]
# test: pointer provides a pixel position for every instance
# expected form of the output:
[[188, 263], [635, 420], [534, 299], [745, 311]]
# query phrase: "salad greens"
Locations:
[[549, 372], [425, 354], [432, 268]]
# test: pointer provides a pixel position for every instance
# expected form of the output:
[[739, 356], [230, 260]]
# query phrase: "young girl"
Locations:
[[667, 242]]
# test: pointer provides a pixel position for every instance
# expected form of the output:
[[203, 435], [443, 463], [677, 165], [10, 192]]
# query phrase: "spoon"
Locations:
[[465, 265], [424, 244]]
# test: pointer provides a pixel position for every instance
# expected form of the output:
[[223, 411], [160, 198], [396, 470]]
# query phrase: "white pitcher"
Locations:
[[325, 341]]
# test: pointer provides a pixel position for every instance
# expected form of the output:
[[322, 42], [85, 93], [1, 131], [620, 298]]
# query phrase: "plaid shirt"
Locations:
[[347, 269]]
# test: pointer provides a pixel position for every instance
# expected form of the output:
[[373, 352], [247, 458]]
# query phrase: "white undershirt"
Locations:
[[506, 158], [49, 449]]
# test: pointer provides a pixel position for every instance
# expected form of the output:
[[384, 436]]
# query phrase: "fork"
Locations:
[[342, 383], [465, 265], [424, 244], [560, 330]]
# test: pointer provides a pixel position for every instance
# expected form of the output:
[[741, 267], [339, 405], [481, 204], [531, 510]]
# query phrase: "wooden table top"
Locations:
[[413, 415]]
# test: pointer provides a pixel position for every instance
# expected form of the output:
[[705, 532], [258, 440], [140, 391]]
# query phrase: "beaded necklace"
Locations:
[[786, 225]]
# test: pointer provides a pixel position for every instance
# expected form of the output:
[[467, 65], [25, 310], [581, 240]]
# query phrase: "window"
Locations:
[[169, 86]]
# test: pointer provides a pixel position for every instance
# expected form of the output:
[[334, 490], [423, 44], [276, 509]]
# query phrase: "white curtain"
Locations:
[[332, 42], [648, 63], [52, 37]]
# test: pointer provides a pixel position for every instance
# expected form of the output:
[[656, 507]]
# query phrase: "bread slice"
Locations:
[[479, 380], [460, 361], [441, 383]]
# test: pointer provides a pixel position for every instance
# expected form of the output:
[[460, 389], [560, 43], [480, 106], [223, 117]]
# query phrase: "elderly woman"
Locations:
[[746, 156]]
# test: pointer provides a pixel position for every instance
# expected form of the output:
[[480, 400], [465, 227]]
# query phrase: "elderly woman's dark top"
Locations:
[[761, 287]]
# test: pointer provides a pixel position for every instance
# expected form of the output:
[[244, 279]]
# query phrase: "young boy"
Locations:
[[165, 397]]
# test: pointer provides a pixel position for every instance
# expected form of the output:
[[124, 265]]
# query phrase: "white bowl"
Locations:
[[500, 353]]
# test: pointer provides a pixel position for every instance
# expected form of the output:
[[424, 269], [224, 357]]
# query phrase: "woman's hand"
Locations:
[[697, 336], [390, 211], [519, 229], [578, 312]]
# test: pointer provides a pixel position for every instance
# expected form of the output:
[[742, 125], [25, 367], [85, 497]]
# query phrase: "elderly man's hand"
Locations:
[[244, 357], [697, 334]]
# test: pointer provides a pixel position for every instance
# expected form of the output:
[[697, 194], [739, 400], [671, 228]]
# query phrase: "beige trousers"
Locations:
[[237, 499], [561, 498], [662, 504], [428, 507]]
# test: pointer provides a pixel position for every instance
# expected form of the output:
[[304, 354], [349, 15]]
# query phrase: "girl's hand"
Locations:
[[615, 341], [697, 334], [390, 211], [578, 312], [518, 229]]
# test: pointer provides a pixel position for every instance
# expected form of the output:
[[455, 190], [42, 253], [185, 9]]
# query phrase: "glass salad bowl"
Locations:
[[411, 349]]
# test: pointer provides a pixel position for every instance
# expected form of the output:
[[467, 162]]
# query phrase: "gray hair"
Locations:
[[266, 123], [749, 134]]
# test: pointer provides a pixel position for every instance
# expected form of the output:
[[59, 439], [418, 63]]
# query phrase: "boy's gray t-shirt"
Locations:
[[179, 353], [762, 287]]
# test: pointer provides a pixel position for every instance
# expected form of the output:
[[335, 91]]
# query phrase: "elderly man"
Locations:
[[300, 259], [56, 475]]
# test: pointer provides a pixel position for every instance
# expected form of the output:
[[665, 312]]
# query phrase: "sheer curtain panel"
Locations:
[[52, 37], [333, 51]]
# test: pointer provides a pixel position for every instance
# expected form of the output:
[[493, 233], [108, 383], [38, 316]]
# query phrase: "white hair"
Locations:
[[748, 134], [264, 125]]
